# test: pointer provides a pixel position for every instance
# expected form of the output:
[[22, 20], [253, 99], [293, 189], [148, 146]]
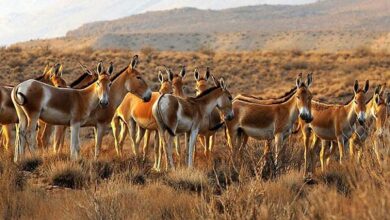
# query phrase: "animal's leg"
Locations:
[[115, 132], [146, 143], [75, 141], [322, 153], [139, 136], [45, 138], [211, 142], [40, 133], [31, 133], [177, 145], [278, 148], [306, 141], [191, 146], [169, 152], [156, 149], [122, 135], [59, 133], [206, 143], [99, 133], [340, 142], [132, 127], [312, 153], [7, 135]]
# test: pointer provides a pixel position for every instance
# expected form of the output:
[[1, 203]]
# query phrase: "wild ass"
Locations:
[[35, 100], [8, 116], [207, 136], [176, 115], [333, 123], [269, 121], [81, 82], [376, 117], [133, 112], [125, 81]]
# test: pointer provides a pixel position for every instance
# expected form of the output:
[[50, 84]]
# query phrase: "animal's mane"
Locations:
[[40, 77], [205, 92], [281, 99], [79, 80], [119, 73]]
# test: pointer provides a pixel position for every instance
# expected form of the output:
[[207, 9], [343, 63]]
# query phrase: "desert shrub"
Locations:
[[187, 179], [67, 174], [30, 163]]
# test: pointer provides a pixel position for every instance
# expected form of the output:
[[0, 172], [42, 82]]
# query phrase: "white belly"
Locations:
[[259, 133]]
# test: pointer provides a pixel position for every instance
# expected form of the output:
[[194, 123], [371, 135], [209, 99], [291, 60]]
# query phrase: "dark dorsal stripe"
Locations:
[[40, 77], [79, 80], [207, 91], [119, 73], [279, 100]]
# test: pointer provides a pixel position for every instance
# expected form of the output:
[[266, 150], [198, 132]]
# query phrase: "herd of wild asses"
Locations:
[[43, 107]]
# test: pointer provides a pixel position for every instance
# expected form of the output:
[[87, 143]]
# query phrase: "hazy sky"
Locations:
[[22, 20]]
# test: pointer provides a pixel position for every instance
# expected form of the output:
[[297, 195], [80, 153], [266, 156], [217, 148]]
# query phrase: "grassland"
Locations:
[[49, 186]]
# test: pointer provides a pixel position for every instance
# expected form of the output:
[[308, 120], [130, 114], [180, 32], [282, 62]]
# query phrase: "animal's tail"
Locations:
[[161, 119], [217, 126], [19, 97]]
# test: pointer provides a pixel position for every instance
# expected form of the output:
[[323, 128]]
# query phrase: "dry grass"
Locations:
[[127, 188]]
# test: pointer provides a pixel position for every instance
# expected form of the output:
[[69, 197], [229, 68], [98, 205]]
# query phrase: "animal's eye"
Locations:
[[139, 78], [230, 98]]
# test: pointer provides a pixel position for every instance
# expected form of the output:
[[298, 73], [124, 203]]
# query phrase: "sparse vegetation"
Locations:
[[219, 188]]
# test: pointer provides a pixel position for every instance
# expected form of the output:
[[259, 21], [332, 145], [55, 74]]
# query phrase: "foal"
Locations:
[[177, 115], [35, 100]]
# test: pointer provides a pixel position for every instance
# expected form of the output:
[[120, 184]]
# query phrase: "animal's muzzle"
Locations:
[[147, 97], [229, 116], [306, 117], [361, 118], [103, 103]]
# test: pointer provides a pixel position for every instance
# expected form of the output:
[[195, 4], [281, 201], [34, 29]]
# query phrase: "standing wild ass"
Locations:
[[176, 115], [35, 100]]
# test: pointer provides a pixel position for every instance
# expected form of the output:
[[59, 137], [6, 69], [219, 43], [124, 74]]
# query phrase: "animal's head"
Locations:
[[303, 97], [224, 101], [201, 81], [56, 76], [359, 101], [379, 108], [103, 83], [165, 84], [177, 80], [136, 83]]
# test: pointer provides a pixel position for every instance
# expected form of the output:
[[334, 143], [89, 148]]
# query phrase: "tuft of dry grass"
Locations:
[[188, 179], [67, 174], [30, 163]]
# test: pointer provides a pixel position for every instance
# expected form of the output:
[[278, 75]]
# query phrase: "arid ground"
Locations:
[[49, 186]]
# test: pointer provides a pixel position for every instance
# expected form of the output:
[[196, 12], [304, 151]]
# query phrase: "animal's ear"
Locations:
[[57, 69], [377, 99], [196, 74], [356, 86], [183, 71], [60, 69], [207, 75], [216, 83], [99, 68], [170, 74], [134, 62], [377, 89], [366, 86], [382, 91], [309, 79], [160, 77], [110, 69], [299, 81], [222, 83], [46, 70]]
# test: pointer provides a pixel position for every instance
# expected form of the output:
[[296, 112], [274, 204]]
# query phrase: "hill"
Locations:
[[325, 25]]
